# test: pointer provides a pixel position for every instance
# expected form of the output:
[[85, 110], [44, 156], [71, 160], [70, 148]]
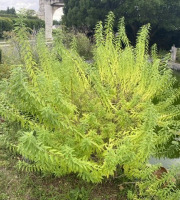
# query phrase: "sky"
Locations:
[[28, 4]]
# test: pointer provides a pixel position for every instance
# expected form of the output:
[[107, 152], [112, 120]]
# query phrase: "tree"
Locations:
[[28, 12], [9, 11], [161, 14], [31, 13], [83, 13]]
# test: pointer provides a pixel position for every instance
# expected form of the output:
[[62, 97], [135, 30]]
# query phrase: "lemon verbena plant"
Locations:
[[88, 119]]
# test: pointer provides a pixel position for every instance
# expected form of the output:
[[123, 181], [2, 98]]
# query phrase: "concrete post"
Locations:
[[173, 53], [48, 21]]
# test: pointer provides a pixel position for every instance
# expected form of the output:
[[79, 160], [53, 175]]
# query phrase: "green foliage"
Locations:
[[8, 11], [178, 56], [4, 71], [84, 47], [34, 23], [78, 194], [88, 119], [160, 13], [0, 56], [163, 15], [6, 24], [16, 16], [8, 15], [83, 13], [56, 22], [27, 12], [152, 187]]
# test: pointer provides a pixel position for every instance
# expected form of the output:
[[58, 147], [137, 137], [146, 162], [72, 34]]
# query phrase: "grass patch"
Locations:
[[15, 184]]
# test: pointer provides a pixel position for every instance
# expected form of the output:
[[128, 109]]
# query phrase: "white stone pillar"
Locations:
[[173, 53], [41, 13], [48, 21]]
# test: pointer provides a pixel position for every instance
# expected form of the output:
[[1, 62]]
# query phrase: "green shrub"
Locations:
[[151, 187], [5, 71], [0, 56], [78, 194], [8, 15], [12, 16], [84, 47], [88, 119], [34, 23], [178, 56], [6, 24]]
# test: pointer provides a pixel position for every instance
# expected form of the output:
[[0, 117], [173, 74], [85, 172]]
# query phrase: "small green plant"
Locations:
[[153, 184], [178, 56], [5, 71], [78, 194], [6, 24], [0, 56], [84, 47]]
